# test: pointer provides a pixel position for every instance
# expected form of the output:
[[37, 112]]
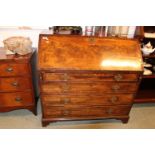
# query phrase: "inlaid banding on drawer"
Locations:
[[15, 84], [16, 99], [65, 100], [13, 69], [104, 87], [89, 76], [86, 111]]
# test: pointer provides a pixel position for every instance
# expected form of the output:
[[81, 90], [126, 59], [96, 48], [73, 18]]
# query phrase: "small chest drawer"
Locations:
[[13, 69], [96, 87], [16, 99], [94, 112], [69, 101], [107, 76], [15, 84]]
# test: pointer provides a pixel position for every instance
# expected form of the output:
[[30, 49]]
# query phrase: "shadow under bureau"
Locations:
[[87, 77], [16, 86]]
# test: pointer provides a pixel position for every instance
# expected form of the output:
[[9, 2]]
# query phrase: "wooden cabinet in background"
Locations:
[[85, 78], [146, 92], [16, 86]]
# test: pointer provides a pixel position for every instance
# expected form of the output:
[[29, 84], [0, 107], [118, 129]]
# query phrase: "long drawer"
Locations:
[[16, 99], [104, 111], [13, 69], [15, 84], [96, 87], [72, 100], [107, 76]]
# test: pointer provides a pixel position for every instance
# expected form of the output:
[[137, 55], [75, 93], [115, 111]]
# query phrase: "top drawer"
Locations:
[[13, 69], [87, 77]]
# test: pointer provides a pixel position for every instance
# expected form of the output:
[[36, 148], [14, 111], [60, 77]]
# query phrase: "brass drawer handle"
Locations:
[[66, 101], [18, 99], [114, 99], [109, 111], [118, 77], [64, 77], [10, 69], [66, 112], [115, 87], [15, 84]]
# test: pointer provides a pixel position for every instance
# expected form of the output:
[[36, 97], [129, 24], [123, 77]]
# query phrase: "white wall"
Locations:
[[32, 33]]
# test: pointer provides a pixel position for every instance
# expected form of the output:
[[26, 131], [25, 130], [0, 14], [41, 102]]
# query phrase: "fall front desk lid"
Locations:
[[69, 52]]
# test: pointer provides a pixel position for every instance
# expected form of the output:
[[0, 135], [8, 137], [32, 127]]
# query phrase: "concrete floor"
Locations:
[[141, 117]]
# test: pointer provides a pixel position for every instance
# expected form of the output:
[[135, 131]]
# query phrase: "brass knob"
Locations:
[[115, 87], [114, 99], [118, 77], [10, 69], [109, 111], [15, 84], [18, 99], [65, 112], [64, 77]]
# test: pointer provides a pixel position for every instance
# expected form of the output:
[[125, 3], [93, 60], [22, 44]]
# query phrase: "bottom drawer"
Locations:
[[94, 112], [16, 99]]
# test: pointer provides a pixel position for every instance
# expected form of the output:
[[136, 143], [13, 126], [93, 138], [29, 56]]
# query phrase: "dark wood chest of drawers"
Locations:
[[16, 88], [87, 78]]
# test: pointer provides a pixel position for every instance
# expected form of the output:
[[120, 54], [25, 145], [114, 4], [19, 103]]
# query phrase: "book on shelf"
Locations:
[[124, 30], [101, 31], [131, 32]]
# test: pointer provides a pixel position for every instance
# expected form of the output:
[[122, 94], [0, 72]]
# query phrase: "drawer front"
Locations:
[[15, 84], [108, 87], [16, 99], [69, 101], [13, 69], [89, 77], [94, 112]]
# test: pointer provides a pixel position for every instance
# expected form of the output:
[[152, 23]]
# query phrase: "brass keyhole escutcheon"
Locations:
[[66, 112], [65, 87], [109, 111], [64, 77], [115, 87], [114, 99], [92, 40], [66, 101]]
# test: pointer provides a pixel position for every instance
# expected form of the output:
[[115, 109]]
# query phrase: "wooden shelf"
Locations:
[[148, 76], [145, 96], [149, 56], [146, 92]]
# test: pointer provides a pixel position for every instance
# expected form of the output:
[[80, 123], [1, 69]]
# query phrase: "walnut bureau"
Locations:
[[16, 87], [85, 78]]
